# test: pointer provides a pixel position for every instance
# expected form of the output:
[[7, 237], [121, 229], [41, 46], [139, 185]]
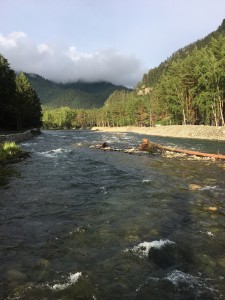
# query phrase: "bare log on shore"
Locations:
[[196, 153], [146, 145]]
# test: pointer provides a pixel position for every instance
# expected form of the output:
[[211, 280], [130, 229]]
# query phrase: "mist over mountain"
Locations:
[[63, 63]]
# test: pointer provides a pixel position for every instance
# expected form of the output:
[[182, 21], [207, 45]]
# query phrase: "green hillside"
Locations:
[[187, 88], [75, 95], [152, 77]]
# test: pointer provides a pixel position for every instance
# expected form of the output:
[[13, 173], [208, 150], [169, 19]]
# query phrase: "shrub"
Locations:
[[9, 150], [3, 154]]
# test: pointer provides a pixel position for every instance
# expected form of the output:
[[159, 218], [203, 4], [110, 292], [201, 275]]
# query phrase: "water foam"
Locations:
[[146, 180], [179, 278], [143, 249], [103, 190], [183, 284], [209, 188], [28, 144], [76, 230], [73, 278], [51, 153], [209, 233]]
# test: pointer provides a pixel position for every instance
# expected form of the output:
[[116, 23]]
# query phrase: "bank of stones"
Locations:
[[19, 137]]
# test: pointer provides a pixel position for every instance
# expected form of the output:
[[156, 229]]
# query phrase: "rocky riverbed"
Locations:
[[180, 131]]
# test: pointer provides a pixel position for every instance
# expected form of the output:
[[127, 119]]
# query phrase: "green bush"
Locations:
[[3, 154], [9, 150], [11, 147]]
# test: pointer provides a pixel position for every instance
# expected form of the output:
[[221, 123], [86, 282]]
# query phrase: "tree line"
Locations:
[[192, 90], [20, 106], [189, 90]]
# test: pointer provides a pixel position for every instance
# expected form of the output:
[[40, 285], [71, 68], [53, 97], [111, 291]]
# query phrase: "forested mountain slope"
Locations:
[[188, 88], [153, 75], [75, 95]]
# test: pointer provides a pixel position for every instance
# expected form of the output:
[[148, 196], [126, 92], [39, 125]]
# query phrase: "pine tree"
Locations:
[[7, 95], [28, 104]]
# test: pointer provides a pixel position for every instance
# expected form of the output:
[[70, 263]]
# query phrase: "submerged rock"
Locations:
[[15, 275], [104, 145], [42, 263], [221, 262], [166, 256]]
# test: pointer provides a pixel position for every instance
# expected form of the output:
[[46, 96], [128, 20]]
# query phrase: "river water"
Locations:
[[82, 223]]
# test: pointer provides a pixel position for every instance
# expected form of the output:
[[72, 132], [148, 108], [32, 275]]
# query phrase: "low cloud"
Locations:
[[68, 64]]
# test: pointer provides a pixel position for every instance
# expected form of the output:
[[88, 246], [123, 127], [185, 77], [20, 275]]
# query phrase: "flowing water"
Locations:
[[81, 223]]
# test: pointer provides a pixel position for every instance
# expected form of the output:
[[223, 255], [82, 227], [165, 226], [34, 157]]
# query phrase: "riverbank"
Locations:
[[178, 131], [10, 152], [19, 137]]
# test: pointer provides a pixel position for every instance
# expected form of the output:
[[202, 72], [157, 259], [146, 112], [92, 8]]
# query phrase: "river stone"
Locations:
[[41, 269], [15, 275], [206, 260], [42, 263], [194, 187], [21, 291], [210, 181], [165, 257], [212, 208], [132, 238], [215, 230], [154, 232], [221, 262]]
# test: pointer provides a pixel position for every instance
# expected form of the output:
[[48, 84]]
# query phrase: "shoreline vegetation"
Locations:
[[176, 131], [10, 152]]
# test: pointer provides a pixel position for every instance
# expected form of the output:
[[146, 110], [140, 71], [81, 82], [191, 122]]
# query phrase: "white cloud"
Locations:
[[44, 48], [12, 40], [68, 63], [16, 35]]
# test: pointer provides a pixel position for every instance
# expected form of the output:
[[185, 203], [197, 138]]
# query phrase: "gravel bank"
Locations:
[[181, 131]]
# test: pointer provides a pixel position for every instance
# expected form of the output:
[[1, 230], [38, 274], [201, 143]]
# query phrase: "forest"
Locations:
[[78, 94], [20, 106], [188, 88]]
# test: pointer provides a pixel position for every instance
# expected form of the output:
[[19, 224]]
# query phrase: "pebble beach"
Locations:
[[179, 131]]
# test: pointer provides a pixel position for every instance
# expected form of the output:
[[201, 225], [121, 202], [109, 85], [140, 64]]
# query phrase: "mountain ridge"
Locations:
[[78, 94], [150, 78]]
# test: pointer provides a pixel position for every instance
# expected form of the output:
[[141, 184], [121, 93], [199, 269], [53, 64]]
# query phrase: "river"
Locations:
[[81, 223]]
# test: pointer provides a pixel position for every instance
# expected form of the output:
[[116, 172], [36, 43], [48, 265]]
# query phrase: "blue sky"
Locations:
[[113, 40]]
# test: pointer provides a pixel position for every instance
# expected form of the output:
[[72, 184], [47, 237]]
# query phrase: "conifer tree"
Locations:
[[28, 104], [7, 95]]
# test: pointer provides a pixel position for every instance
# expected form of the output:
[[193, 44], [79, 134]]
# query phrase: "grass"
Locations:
[[9, 150]]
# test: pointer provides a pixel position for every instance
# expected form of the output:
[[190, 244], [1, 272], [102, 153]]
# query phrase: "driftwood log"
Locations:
[[196, 153], [146, 145]]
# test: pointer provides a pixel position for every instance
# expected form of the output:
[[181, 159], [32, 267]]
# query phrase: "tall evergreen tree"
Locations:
[[28, 104], [7, 95]]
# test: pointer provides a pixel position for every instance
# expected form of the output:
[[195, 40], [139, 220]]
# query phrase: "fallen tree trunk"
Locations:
[[148, 146], [196, 153]]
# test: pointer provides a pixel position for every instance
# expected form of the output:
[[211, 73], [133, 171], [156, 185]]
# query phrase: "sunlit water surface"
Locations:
[[81, 223]]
